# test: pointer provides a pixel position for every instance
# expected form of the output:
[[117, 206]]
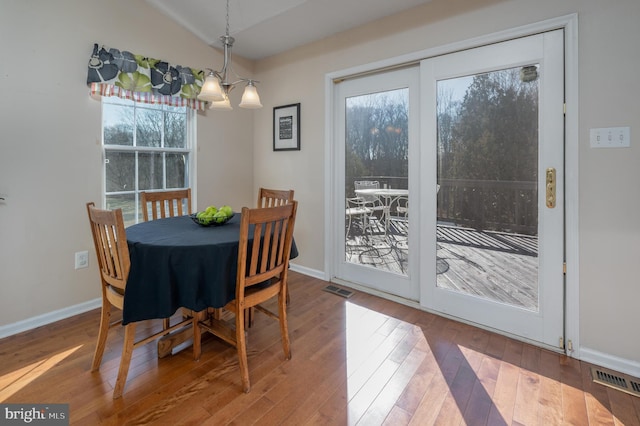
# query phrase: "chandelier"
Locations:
[[216, 86]]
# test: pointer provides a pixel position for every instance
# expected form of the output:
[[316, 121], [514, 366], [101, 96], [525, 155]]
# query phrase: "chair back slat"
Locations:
[[165, 203], [110, 241], [271, 248], [274, 197]]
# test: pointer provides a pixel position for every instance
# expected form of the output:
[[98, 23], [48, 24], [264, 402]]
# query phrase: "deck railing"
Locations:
[[506, 206]]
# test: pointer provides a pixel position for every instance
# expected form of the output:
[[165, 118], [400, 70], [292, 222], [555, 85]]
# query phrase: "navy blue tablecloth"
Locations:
[[177, 263]]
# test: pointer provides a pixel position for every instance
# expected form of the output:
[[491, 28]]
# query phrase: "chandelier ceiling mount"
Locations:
[[217, 85]]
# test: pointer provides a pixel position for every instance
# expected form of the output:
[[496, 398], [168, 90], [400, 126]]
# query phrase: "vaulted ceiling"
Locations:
[[266, 27]]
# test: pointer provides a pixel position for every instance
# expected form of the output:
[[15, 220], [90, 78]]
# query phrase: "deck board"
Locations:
[[494, 265]]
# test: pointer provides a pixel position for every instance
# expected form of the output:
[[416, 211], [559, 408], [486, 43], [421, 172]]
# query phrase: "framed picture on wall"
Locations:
[[286, 128]]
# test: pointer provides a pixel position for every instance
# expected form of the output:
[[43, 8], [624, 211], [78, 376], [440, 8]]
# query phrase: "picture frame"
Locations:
[[286, 128]]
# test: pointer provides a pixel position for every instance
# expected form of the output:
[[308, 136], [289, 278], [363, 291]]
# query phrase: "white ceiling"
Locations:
[[265, 27]]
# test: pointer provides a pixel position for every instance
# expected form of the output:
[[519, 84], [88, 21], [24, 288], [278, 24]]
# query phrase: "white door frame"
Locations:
[[403, 285], [546, 323], [570, 25]]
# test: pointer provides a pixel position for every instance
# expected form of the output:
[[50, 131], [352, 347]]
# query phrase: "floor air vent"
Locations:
[[616, 381], [339, 291]]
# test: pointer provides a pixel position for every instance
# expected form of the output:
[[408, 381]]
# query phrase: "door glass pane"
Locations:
[[487, 209], [376, 180]]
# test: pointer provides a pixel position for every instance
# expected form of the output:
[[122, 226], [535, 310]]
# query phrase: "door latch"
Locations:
[[551, 188]]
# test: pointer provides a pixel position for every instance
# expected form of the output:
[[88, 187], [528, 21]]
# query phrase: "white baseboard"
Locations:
[[592, 356], [48, 318], [611, 362], [307, 271]]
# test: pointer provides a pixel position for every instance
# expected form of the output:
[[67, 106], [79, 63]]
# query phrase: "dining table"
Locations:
[[177, 263]]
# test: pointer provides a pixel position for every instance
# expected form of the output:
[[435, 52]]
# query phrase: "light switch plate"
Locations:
[[610, 137]]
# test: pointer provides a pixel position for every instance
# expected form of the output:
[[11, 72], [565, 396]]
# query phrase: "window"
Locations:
[[147, 147]]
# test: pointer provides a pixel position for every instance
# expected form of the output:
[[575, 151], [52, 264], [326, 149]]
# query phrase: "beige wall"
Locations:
[[609, 231], [50, 154]]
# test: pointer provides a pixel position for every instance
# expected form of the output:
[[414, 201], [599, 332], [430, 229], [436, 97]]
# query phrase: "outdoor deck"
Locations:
[[493, 265]]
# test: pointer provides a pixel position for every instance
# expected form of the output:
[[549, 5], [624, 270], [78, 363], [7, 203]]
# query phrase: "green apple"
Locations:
[[226, 210], [220, 217]]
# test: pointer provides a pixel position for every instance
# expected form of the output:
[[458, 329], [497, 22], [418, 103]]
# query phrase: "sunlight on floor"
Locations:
[[14, 381], [376, 347], [383, 353]]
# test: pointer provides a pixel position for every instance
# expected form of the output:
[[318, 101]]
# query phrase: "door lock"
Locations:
[[551, 188]]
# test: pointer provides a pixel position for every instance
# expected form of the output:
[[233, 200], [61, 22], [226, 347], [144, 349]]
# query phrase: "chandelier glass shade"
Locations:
[[223, 105], [217, 84]]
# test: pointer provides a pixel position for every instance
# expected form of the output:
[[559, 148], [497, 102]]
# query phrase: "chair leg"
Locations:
[[105, 319], [365, 221], [215, 312], [248, 318], [197, 335], [125, 359], [241, 345], [284, 328]]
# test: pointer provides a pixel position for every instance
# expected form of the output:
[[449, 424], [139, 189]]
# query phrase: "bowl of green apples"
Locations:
[[213, 216]]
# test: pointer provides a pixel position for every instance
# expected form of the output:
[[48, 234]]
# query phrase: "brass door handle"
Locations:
[[551, 188]]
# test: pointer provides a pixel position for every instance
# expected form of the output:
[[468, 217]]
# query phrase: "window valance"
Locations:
[[113, 72]]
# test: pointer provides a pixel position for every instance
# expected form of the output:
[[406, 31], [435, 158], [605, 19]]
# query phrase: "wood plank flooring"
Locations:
[[362, 360]]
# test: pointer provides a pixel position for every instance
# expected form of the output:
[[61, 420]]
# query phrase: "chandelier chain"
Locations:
[[227, 18]]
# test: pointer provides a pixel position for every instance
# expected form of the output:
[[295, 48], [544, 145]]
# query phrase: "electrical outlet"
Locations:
[[610, 137], [82, 259]]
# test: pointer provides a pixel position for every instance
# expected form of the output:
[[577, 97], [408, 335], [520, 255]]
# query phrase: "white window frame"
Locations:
[[190, 150]]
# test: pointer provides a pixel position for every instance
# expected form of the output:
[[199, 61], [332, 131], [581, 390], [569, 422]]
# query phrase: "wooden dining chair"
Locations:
[[165, 203], [266, 235], [274, 197], [271, 198], [112, 251]]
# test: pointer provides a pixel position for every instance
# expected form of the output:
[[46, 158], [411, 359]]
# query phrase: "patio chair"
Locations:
[[401, 206], [356, 207], [366, 189]]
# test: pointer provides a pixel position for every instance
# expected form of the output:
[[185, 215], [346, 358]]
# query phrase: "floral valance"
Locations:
[[120, 73]]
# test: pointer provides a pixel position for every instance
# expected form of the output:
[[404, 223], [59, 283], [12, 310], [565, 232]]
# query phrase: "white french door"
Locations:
[[376, 229], [492, 245]]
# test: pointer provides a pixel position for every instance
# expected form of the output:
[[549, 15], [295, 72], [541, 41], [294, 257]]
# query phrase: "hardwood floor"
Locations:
[[362, 360]]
